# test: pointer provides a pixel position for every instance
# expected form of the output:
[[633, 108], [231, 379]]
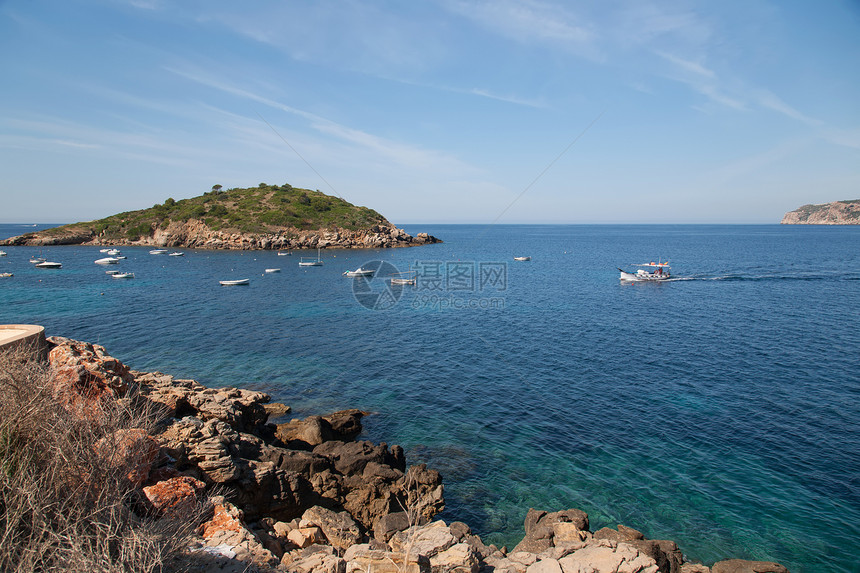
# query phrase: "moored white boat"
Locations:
[[113, 272], [273, 270], [157, 251], [6, 275], [123, 275], [48, 265], [359, 272], [37, 260], [237, 282], [107, 261], [112, 252], [308, 262], [642, 275], [2, 253], [404, 279], [282, 254], [176, 254], [522, 258]]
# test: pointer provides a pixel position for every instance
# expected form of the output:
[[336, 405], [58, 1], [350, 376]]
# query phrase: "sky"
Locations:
[[434, 111]]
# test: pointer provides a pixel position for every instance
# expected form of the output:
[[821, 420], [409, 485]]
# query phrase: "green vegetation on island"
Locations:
[[262, 209]]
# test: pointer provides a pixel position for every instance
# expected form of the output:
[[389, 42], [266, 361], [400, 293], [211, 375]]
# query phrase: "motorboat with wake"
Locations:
[[655, 272]]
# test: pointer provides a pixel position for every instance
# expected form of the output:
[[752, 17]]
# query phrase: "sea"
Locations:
[[719, 409]]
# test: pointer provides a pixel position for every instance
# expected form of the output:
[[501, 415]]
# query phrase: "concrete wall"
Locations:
[[28, 336]]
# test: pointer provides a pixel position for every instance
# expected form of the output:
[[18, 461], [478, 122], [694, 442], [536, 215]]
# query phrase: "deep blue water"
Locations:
[[721, 410]]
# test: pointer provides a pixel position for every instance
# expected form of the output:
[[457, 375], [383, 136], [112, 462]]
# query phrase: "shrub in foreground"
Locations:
[[66, 504]]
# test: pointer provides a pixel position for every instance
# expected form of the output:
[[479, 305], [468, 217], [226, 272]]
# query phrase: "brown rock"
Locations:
[[130, 451], [604, 556], [346, 424], [305, 434], [176, 496], [306, 536], [744, 566], [361, 558], [459, 558], [386, 526], [85, 375], [339, 528], [540, 531]]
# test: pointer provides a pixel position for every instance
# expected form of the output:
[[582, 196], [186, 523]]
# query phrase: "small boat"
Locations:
[[273, 270], [282, 254], [121, 257], [107, 261], [359, 272], [123, 275], [237, 282], [6, 275], [48, 265], [308, 262], [522, 258], [176, 254], [404, 279], [112, 252], [642, 275], [37, 260], [113, 272], [157, 251], [2, 253], [104, 250]]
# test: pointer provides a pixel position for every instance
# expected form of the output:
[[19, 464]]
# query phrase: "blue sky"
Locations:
[[606, 111]]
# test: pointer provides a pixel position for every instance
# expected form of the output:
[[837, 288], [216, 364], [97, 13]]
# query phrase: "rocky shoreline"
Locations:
[[306, 496], [835, 213], [195, 234]]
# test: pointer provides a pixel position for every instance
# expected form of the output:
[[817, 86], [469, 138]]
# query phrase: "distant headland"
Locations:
[[835, 213], [262, 217]]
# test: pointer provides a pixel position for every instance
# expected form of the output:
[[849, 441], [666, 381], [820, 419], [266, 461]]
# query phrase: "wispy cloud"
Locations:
[[842, 137], [700, 79], [770, 101], [687, 66], [508, 99], [403, 154], [533, 22]]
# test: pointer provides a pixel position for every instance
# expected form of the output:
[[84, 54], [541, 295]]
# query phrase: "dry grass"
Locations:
[[63, 505]]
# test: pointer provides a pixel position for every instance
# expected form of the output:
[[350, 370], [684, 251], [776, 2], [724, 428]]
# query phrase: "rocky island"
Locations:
[[251, 495], [835, 213], [262, 217]]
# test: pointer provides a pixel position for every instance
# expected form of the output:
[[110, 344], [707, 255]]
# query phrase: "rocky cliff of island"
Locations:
[[835, 213], [262, 217]]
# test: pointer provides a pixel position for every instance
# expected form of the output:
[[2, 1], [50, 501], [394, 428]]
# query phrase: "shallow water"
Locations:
[[719, 410]]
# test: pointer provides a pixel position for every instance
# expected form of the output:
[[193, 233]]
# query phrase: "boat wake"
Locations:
[[773, 277]]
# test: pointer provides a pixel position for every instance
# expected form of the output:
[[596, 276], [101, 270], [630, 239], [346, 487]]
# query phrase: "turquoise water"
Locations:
[[719, 410]]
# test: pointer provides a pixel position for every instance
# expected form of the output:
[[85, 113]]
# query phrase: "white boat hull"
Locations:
[[642, 276], [238, 282], [359, 273]]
